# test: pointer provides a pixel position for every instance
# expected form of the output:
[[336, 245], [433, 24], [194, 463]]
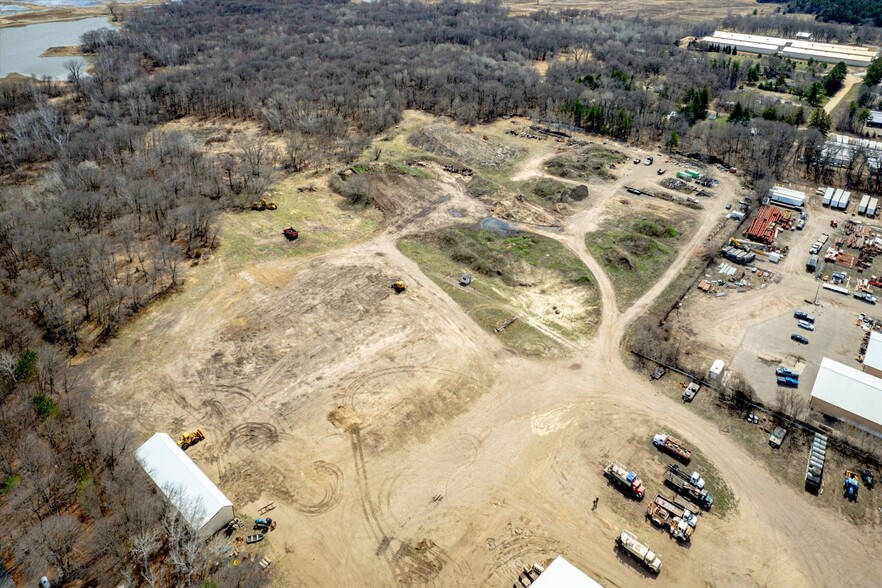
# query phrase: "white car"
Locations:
[[806, 325]]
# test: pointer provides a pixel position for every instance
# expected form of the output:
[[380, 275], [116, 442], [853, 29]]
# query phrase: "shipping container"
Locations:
[[692, 174], [873, 207], [684, 176], [865, 201], [828, 196], [843, 202]]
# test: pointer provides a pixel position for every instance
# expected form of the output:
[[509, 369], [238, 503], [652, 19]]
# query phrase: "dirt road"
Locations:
[[404, 445]]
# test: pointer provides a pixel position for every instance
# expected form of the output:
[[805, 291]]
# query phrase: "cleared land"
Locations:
[[405, 444], [586, 164], [515, 274]]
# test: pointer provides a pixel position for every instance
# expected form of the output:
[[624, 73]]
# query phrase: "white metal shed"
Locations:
[[186, 486]]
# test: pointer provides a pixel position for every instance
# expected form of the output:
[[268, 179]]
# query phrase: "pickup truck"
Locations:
[[787, 382], [625, 479], [673, 446], [786, 372], [682, 483], [869, 298], [631, 545]]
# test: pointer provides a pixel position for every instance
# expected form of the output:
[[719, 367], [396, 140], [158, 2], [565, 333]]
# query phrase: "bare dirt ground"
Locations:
[[404, 445], [688, 10]]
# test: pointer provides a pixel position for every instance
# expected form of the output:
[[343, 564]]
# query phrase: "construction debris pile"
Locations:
[[732, 277], [768, 223], [856, 236]]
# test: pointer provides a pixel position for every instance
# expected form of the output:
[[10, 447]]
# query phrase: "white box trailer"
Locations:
[[865, 201], [828, 196], [834, 201], [843, 201], [872, 207]]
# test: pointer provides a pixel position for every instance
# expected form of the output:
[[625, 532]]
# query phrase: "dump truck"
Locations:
[[682, 483], [666, 514], [627, 480], [673, 446], [631, 545], [290, 233], [188, 439]]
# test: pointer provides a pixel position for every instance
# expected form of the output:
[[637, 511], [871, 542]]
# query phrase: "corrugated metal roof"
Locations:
[[873, 356], [171, 468], [562, 574], [849, 389]]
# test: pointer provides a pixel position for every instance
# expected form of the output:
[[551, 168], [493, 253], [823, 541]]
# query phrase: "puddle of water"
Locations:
[[495, 225]]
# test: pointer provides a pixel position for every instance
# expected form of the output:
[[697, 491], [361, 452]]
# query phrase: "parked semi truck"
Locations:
[[673, 446], [631, 545], [628, 480], [666, 514], [682, 483]]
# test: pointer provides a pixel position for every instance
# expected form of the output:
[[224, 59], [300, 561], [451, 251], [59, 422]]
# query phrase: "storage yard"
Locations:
[[394, 466], [851, 55]]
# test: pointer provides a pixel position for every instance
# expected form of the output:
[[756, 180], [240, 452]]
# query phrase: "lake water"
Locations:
[[20, 47]]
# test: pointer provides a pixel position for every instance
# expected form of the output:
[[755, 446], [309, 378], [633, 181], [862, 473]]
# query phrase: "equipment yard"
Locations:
[[456, 433]]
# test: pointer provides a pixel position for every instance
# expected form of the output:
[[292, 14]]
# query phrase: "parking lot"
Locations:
[[768, 345]]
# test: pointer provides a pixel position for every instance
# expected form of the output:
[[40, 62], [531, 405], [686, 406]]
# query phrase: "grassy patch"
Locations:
[[635, 252], [411, 171], [481, 187], [514, 275], [9, 485], [591, 162]]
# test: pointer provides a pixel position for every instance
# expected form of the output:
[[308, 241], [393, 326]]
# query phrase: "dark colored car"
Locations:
[[803, 316], [799, 338]]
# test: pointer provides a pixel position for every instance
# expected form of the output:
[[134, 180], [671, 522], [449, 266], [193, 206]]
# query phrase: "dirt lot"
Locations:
[[404, 444], [688, 10]]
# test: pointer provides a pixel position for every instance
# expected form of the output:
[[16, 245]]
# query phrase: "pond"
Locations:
[[20, 47]]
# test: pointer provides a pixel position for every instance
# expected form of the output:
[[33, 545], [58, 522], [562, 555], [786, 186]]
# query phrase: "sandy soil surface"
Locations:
[[39, 13], [688, 10], [403, 445]]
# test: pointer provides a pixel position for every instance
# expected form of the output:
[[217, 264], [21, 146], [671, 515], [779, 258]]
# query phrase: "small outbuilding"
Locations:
[[717, 369], [186, 486]]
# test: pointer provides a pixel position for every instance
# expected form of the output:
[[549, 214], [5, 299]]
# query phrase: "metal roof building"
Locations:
[[873, 357], [187, 487], [562, 574], [799, 48], [875, 119], [849, 395]]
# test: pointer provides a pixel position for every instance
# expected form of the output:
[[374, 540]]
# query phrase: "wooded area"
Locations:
[[101, 209]]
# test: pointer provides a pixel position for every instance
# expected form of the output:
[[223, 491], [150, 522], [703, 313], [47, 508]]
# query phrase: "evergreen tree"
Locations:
[[820, 120]]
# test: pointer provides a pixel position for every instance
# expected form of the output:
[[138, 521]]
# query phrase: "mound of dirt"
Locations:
[[393, 193], [463, 146], [591, 162]]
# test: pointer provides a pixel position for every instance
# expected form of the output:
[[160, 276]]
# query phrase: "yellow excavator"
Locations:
[[188, 439], [399, 286]]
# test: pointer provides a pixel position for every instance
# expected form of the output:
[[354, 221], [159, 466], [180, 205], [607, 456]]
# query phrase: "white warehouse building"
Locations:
[[852, 55], [186, 486], [848, 395], [562, 574]]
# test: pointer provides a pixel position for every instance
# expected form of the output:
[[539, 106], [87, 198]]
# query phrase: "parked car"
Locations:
[[728, 206], [636, 160], [803, 316], [661, 172], [805, 325], [799, 338], [781, 371], [648, 161]]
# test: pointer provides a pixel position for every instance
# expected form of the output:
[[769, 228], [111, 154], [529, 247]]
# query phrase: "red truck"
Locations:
[[627, 480]]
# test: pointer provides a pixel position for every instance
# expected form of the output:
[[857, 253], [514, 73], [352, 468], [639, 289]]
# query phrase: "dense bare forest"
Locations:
[[101, 208]]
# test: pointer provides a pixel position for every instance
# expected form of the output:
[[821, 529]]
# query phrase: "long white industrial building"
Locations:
[[853, 55], [849, 395]]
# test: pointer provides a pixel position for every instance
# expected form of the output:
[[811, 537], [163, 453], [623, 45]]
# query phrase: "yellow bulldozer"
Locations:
[[264, 204], [399, 286], [188, 439]]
